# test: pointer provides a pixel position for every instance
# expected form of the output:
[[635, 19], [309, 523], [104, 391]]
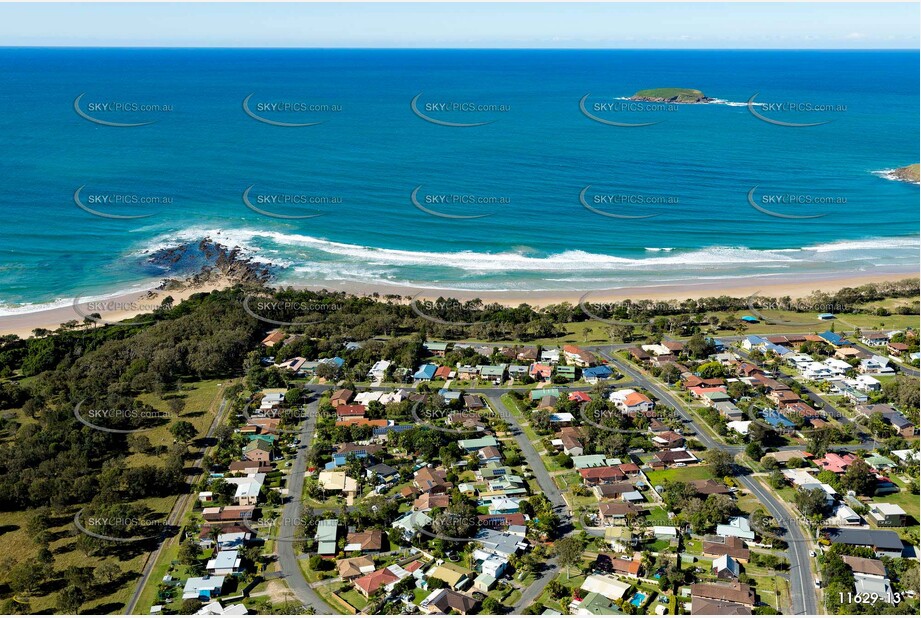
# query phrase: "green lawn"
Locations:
[[691, 473]]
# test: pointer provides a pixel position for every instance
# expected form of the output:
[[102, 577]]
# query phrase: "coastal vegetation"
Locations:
[[671, 95], [909, 173]]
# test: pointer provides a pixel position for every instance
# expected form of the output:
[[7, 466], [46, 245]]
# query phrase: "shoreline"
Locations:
[[125, 306], [115, 308], [738, 288]]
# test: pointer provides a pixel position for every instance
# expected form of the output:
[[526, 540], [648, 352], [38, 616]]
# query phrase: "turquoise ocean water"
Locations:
[[524, 165]]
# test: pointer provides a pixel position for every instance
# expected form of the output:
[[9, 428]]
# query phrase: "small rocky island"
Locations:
[[909, 173], [671, 95]]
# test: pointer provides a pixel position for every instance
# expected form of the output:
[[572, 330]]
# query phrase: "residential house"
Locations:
[[733, 593], [566, 371], [448, 602], [432, 480], [615, 513], [737, 527], [517, 372], [579, 357], [488, 455], [707, 607], [411, 523], [708, 487], [874, 338], [607, 586], [550, 356], [273, 338], [630, 401], [353, 568], [833, 339], [341, 397], [203, 588], [467, 372], [725, 567], [714, 547], [435, 348], [369, 541], [539, 393], [378, 370], [593, 604], [888, 515], [865, 566], [247, 488], [225, 563], [668, 440], [593, 374], [348, 412], [473, 402], [493, 373], [425, 373], [258, 450], [540, 371], [640, 355], [427, 502], [326, 536], [835, 463], [882, 542], [456, 577], [876, 365], [227, 514], [606, 563], [374, 581], [383, 473], [338, 482], [672, 457], [476, 444]]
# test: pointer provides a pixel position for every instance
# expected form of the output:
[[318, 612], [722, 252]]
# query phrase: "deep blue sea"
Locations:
[[686, 181]]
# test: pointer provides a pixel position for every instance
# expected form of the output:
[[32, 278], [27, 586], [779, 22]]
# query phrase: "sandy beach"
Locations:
[[127, 306], [739, 288]]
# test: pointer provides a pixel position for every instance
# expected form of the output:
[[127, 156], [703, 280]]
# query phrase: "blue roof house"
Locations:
[[596, 373], [425, 372], [833, 338]]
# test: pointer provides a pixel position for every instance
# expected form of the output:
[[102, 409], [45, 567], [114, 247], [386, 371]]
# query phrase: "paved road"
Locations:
[[175, 516], [801, 578], [554, 495], [530, 594], [290, 516]]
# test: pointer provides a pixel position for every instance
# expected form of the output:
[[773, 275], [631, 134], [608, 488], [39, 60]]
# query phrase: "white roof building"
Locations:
[[665, 531], [740, 427], [606, 586], [363, 399], [737, 527]]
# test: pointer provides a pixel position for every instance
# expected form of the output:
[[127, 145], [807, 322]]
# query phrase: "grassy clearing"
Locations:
[[691, 473]]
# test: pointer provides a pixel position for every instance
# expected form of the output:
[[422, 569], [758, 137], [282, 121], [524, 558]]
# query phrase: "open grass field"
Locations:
[[200, 399], [16, 545], [691, 473]]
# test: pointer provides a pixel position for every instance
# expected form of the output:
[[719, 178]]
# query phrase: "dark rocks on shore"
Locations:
[[205, 262]]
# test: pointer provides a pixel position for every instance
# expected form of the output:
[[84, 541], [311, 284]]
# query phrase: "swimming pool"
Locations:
[[638, 599]]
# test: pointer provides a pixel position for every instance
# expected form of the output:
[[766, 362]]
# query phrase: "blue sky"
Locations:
[[551, 25]]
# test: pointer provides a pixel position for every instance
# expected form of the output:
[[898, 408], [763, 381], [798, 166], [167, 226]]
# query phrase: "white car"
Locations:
[[812, 553], [818, 583]]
